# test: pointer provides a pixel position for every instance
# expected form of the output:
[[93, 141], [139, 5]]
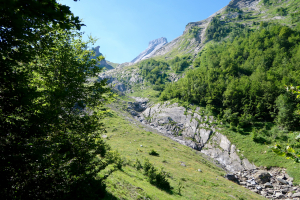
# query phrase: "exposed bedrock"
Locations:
[[190, 128]]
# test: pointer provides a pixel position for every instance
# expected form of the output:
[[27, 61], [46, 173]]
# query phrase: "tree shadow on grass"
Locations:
[[109, 196]]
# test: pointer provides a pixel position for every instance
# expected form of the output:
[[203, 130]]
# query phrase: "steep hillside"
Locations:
[[190, 174], [220, 89], [239, 14]]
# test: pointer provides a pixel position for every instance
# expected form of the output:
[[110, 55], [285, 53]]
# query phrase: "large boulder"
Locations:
[[262, 177]]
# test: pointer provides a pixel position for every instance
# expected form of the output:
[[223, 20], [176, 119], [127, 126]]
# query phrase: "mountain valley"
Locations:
[[217, 93]]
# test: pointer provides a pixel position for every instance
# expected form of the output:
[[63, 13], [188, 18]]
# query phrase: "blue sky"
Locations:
[[125, 27]]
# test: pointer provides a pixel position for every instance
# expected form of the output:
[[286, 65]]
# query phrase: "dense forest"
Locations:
[[244, 79], [156, 72]]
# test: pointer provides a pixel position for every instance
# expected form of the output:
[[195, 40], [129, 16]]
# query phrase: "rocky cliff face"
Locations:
[[250, 4], [103, 62], [190, 128], [153, 46], [197, 43]]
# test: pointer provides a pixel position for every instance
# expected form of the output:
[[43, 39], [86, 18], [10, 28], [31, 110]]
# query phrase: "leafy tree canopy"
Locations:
[[242, 80], [50, 140]]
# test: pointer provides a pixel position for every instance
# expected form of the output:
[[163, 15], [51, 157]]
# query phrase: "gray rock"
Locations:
[[232, 177], [250, 4], [132, 112], [289, 194], [261, 177], [248, 165], [204, 135], [280, 180], [255, 190], [285, 190], [263, 193], [295, 195], [259, 188], [279, 195], [172, 120], [225, 143], [103, 62], [253, 182], [268, 185]]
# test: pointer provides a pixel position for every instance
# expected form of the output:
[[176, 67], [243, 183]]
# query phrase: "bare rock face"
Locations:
[[192, 129], [153, 46], [195, 130], [250, 4]]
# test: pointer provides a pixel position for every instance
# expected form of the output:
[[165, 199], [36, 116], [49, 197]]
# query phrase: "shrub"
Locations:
[[138, 164], [113, 157], [159, 179], [153, 153]]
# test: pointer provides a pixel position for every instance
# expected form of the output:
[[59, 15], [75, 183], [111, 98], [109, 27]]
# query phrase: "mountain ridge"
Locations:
[[103, 63], [152, 47]]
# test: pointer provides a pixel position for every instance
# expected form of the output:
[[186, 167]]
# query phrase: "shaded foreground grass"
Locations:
[[133, 142]]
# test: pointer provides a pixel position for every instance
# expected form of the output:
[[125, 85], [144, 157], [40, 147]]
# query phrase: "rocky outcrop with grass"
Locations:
[[192, 128], [120, 79]]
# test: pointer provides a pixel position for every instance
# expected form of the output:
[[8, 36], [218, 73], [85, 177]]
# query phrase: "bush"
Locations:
[[159, 179], [285, 115], [138, 164], [113, 157], [153, 153]]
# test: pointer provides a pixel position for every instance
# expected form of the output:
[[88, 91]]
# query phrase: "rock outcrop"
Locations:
[[194, 129], [190, 128], [249, 4], [196, 44], [103, 62], [121, 80], [153, 46]]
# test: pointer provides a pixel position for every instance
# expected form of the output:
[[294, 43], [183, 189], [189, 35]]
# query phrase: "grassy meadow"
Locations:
[[133, 142]]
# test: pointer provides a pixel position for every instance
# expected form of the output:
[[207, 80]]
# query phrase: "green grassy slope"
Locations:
[[253, 140], [129, 183]]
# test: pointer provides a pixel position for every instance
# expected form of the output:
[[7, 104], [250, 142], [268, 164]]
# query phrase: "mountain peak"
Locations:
[[158, 41], [153, 46]]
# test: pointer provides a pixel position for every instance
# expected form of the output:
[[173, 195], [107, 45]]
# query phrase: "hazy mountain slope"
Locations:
[[103, 63]]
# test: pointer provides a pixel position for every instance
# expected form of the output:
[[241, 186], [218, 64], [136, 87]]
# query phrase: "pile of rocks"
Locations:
[[272, 184]]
